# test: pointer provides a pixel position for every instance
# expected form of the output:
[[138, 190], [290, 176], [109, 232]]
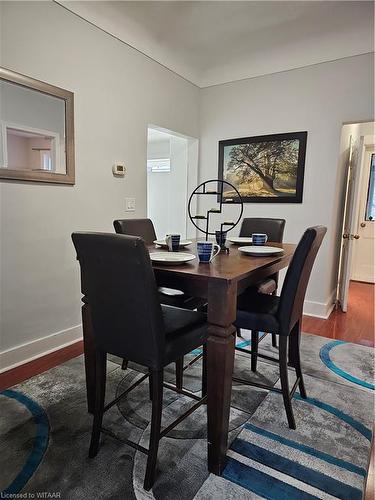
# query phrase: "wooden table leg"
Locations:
[[89, 354], [222, 300]]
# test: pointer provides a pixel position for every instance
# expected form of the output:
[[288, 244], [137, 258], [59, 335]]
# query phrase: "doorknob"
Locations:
[[356, 236], [363, 224], [345, 236]]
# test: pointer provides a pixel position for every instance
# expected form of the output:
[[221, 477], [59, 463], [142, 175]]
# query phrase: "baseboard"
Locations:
[[320, 309], [24, 353], [358, 278], [11, 358]]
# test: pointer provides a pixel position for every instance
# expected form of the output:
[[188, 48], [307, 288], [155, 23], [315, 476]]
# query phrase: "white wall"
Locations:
[[118, 92], [158, 186], [21, 106], [18, 151], [317, 99], [167, 191], [173, 188]]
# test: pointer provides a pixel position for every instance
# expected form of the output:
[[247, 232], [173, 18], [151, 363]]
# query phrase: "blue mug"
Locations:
[[173, 242], [259, 239], [206, 251]]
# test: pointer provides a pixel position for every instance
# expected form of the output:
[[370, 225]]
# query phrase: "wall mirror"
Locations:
[[36, 130]]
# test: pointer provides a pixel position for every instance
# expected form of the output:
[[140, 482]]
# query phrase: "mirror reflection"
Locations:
[[32, 129], [36, 130]]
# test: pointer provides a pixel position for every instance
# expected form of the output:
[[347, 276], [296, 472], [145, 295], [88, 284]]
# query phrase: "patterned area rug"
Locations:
[[45, 432]]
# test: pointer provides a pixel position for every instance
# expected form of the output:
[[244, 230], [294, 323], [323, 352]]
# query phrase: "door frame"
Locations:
[[349, 218], [346, 247], [191, 171]]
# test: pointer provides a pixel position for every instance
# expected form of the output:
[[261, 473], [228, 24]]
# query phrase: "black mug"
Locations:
[[221, 238]]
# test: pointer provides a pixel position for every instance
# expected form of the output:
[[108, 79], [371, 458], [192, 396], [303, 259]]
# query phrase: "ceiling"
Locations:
[[214, 42]]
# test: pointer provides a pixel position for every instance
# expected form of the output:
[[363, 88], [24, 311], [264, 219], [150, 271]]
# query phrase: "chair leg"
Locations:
[[100, 379], [157, 405], [283, 366], [254, 349], [124, 365], [273, 335], [295, 358], [179, 373], [150, 384], [239, 333], [204, 371]]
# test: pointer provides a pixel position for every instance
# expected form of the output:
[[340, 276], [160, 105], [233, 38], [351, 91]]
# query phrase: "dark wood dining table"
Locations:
[[220, 282]]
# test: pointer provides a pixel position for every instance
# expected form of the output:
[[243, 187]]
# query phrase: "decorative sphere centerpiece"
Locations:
[[215, 187]]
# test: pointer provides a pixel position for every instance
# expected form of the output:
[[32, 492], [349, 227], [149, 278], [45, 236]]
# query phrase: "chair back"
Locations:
[[143, 228], [120, 288], [274, 228], [297, 278]]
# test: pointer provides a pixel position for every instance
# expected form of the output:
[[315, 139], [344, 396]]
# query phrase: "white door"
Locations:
[[351, 195], [363, 267]]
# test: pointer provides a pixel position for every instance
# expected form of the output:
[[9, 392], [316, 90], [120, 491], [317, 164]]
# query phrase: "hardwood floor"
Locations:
[[40, 365], [357, 325]]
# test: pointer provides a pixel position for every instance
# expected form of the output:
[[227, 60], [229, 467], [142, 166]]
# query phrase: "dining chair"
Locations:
[[282, 316], [274, 228], [129, 321], [144, 228]]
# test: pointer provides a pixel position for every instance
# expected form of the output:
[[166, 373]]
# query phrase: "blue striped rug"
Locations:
[[326, 457]]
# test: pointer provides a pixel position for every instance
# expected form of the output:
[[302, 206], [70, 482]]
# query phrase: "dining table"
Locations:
[[219, 282]]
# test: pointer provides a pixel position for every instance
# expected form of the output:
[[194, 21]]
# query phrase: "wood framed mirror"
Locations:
[[36, 130]]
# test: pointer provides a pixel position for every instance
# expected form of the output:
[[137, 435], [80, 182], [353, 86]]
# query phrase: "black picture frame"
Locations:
[[293, 193]]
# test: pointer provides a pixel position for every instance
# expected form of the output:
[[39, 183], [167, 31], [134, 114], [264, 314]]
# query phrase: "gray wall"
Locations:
[[317, 99], [118, 92]]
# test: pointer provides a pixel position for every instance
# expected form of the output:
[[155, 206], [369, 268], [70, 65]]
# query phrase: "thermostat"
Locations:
[[119, 169]]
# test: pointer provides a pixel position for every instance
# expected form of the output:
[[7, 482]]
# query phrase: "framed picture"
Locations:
[[264, 169]]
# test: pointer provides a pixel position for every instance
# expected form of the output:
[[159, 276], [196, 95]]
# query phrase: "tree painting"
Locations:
[[264, 168]]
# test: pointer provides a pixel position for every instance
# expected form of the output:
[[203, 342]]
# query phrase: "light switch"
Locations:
[[129, 204]]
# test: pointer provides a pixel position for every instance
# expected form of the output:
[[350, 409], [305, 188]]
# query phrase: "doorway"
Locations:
[[172, 173], [357, 243]]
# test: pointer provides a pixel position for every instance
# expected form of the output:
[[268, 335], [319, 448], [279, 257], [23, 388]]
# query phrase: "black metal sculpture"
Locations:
[[218, 191]]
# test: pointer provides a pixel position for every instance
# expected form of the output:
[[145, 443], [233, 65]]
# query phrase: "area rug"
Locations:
[[45, 433]]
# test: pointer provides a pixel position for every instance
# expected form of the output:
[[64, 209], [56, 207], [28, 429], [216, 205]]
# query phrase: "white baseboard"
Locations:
[[320, 309], [370, 278], [11, 358]]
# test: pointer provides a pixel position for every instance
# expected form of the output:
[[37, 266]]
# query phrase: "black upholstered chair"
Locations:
[[144, 228], [274, 228], [136, 227], [128, 321], [283, 316]]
